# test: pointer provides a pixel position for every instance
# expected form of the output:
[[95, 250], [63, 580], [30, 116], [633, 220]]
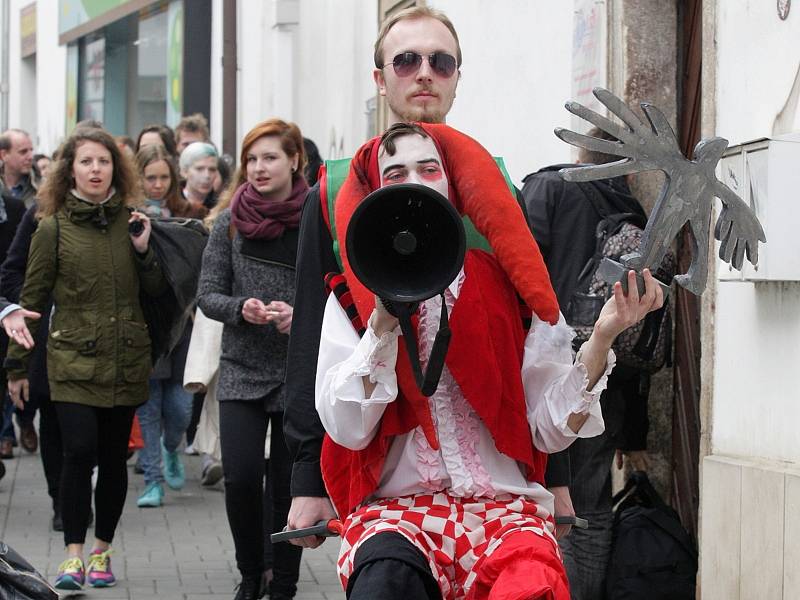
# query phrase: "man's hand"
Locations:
[[638, 459], [625, 310], [307, 511], [18, 390], [563, 508], [16, 328], [381, 320]]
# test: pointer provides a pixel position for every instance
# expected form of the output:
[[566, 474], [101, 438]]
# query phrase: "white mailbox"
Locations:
[[765, 174]]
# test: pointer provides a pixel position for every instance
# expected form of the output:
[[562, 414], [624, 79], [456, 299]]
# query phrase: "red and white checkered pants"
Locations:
[[497, 549]]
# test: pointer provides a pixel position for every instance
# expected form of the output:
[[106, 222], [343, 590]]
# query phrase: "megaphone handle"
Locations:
[[430, 381]]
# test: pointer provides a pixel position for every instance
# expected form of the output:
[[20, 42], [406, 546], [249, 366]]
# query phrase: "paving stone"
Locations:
[[180, 551]]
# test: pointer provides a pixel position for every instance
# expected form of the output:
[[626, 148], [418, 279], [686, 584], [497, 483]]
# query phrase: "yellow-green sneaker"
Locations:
[[98, 570], [71, 574]]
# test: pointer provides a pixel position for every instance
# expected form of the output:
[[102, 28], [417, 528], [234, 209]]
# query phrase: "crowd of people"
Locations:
[[303, 400], [70, 251]]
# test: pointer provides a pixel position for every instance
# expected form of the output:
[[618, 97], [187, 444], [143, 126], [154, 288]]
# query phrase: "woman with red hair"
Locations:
[[247, 282]]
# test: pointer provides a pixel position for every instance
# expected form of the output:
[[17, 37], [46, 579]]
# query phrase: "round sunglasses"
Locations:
[[408, 63]]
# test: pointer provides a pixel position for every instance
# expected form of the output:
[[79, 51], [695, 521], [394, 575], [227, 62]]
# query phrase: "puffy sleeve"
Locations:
[[556, 385], [349, 417]]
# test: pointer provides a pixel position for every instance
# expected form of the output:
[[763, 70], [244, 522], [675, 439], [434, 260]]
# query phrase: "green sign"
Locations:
[[174, 63], [74, 13]]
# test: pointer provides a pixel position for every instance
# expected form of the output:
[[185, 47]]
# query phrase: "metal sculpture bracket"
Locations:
[[687, 195]]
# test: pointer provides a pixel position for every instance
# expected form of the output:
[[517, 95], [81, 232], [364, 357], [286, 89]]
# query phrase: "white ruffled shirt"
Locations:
[[467, 464]]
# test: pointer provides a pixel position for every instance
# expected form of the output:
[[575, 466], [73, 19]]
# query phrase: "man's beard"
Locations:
[[424, 115], [436, 113]]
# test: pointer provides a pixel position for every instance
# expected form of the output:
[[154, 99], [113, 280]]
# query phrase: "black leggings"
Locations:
[[51, 448], [389, 567], [243, 430], [93, 436]]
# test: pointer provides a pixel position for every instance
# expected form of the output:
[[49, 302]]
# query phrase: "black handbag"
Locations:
[[19, 580], [178, 245], [652, 555]]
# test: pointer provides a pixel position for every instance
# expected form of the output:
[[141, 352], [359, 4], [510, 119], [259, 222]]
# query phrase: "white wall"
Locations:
[[758, 60], [517, 61], [510, 97], [215, 110], [37, 99], [755, 402], [317, 73]]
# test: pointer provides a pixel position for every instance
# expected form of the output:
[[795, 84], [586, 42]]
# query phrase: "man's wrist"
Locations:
[[601, 338], [307, 480]]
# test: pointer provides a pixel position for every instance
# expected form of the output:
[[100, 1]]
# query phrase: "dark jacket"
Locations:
[[253, 362], [12, 277], [98, 350], [563, 220], [14, 210], [301, 423], [25, 191]]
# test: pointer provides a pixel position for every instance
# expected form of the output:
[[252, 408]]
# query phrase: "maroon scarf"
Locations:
[[259, 218]]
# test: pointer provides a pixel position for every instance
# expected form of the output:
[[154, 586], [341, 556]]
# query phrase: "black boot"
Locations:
[[250, 588]]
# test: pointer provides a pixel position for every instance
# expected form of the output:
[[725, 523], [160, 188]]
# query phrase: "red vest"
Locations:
[[484, 357]]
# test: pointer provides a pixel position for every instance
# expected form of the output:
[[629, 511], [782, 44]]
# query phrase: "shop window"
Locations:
[[93, 76], [151, 72]]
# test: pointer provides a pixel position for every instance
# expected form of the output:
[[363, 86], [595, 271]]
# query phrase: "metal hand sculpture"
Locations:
[[686, 196]]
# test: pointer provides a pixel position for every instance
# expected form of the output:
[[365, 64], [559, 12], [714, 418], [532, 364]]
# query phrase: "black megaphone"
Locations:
[[406, 243]]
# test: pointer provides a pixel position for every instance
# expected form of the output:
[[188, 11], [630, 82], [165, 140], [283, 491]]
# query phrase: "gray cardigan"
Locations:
[[253, 359]]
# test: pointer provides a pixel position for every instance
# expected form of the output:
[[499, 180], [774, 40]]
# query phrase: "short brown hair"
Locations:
[[399, 130], [59, 179], [196, 123], [592, 157], [414, 12], [5, 138]]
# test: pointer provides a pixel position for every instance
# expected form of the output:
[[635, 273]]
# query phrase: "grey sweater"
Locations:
[[253, 356]]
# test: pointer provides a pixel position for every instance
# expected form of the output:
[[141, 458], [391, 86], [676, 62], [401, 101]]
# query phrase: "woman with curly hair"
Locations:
[[98, 348]]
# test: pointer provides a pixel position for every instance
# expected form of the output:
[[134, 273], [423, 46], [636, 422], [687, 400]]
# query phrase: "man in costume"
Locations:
[[444, 497], [414, 74], [417, 68]]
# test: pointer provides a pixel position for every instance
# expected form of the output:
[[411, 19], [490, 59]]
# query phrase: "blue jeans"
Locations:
[[169, 403], [586, 551]]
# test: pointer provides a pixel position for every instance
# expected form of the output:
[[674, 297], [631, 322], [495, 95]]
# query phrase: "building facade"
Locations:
[[723, 433]]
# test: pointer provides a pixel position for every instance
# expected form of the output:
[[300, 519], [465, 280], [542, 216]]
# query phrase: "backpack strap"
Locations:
[[337, 284], [331, 179], [332, 176]]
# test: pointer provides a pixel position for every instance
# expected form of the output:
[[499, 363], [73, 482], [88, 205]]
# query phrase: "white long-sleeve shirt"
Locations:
[[467, 463]]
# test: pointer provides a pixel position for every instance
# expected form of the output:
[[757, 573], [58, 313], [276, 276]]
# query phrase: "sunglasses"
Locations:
[[408, 63]]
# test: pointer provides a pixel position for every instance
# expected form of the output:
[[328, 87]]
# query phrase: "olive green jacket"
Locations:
[[98, 350]]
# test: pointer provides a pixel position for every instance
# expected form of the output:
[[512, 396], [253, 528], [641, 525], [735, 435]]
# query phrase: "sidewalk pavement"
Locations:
[[181, 551]]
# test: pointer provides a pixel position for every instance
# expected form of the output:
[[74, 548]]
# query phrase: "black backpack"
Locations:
[[647, 345], [652, 556], [19, 580]]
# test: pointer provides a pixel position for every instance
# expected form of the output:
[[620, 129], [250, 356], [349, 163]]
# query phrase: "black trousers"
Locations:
[[93, 436], [51, 448], [243, 431], [389, 567]]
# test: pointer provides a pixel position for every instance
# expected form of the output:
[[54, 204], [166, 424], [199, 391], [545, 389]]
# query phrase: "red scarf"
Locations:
[[486, 315], [260, 218]]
